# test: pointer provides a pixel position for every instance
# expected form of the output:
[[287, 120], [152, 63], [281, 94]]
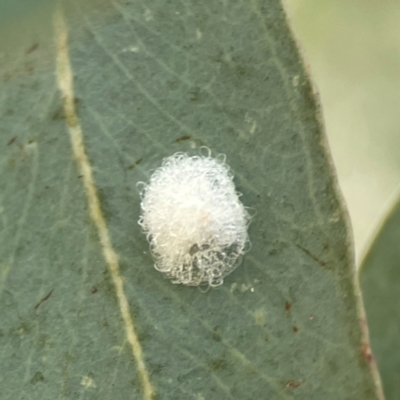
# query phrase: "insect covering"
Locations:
[[194, 220]]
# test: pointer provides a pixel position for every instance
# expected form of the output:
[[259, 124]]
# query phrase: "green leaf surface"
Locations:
[[150, 79], [380, 283]]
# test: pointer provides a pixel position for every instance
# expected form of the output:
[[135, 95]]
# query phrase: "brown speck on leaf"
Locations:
[[43, 299], [293, 384], [58, 114], [32, 48], [288, 306], [367, 353], [182, 138], [137, 162], [94, 290], [295, 329], [11, 141], [313, 257]]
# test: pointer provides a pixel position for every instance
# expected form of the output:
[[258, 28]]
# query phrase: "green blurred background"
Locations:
[[14, 9], [353, 50]]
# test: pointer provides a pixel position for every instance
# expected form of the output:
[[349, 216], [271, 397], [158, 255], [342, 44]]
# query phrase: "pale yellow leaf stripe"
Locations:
[[65, 84]]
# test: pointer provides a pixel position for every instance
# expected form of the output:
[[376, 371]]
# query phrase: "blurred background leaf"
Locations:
[[353, 50], [380, 283]]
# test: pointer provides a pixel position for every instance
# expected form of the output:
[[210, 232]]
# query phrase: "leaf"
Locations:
[[380, 282], [84, 313]]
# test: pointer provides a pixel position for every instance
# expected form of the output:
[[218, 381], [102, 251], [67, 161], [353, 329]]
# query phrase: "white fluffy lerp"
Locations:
[[194, 220]]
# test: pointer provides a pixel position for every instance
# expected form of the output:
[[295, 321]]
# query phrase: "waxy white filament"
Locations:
[[194, 220]]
